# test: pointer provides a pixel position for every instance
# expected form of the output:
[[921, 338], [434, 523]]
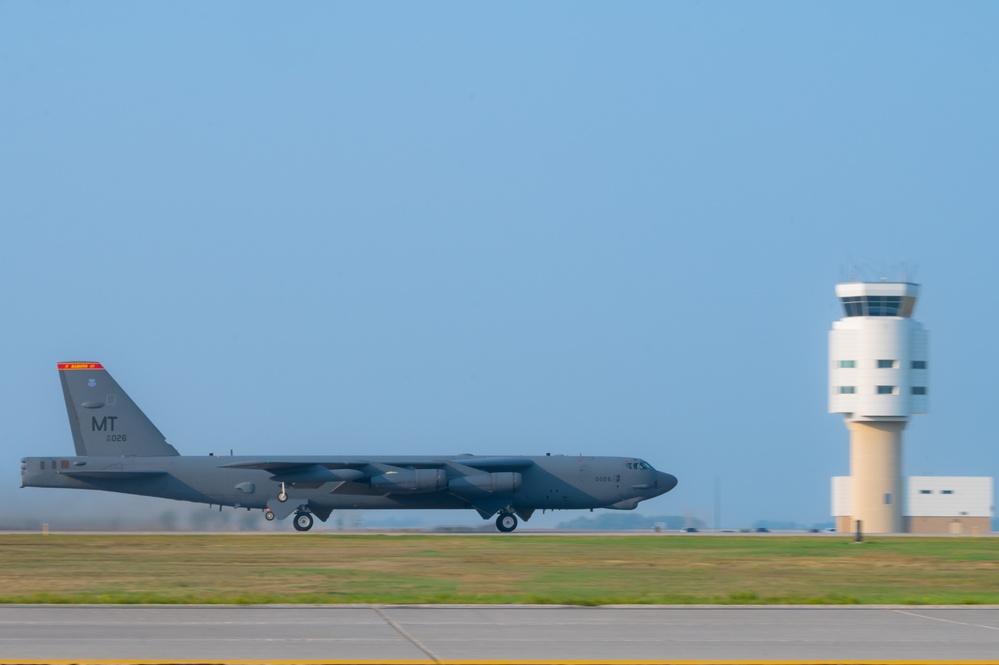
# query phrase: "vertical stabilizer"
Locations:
[[104, 420]]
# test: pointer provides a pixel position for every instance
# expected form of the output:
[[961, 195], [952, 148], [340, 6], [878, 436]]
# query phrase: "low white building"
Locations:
[[933, 504]]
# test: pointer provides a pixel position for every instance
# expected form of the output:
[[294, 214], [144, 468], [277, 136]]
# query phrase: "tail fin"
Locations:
[[104, 420]]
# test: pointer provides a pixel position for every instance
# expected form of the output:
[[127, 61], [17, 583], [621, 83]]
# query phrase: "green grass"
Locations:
[[586, 570]]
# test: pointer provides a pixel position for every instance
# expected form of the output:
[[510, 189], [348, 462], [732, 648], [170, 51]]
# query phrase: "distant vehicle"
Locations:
[[659, 526], [690, 529], [118, 449], [829, 530], [761, 529]]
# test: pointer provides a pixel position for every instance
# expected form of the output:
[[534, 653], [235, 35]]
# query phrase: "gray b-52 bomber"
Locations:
[[118, 449]]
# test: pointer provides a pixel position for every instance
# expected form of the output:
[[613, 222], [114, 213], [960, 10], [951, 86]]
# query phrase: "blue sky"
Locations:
[[498, 228]]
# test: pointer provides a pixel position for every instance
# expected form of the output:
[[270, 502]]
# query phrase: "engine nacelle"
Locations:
[[481, 484], [410, 481]]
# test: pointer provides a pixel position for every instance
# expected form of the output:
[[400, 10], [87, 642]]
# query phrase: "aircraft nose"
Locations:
[[665, 481]]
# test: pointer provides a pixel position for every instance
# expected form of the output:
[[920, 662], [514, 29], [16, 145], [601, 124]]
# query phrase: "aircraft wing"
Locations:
[[112, 474], [306, 474], [285, 467], [494, 463], [480, 463], [384, 475]]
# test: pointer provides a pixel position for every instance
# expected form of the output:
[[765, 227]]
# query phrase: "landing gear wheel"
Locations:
[[282, 495], [269, 515], [303, 521], [506, 522]]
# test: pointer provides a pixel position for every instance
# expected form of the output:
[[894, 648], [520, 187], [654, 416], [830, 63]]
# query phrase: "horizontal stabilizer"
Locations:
[[112, 474]]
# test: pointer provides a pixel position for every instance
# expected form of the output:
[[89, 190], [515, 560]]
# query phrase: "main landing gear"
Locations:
[[303, 521], [506, 522]]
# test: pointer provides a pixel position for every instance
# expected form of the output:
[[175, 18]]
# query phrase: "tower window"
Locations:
[[946, 491], [887, 364], [918, 364], [888, 499], [887, 390], [926, 491], [919, 390], [848, 364], [878, 305], [853, 306], [846, 390]]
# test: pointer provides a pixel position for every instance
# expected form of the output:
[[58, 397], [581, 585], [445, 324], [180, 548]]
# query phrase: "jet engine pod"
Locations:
[[482, 484], [410, 481]]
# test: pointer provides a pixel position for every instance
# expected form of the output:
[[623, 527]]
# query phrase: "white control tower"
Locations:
[[877, 378]]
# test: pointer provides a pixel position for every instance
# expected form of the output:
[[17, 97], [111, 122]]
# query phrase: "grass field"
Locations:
[[584, 570]]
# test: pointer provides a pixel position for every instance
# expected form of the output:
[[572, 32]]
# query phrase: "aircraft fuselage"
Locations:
[[550, 482], [118, 449]]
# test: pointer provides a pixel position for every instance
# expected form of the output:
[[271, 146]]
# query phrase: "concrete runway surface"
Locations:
[[508, 634]]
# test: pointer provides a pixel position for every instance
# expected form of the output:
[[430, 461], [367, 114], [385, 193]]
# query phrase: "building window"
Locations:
[[847, 364], [888, 499], [918, 364], [926, 491], [919, 390], [847, 390], [887, 390], [887, 364]]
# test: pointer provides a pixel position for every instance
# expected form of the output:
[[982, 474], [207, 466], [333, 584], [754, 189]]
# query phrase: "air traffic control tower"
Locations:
[[877, 379]]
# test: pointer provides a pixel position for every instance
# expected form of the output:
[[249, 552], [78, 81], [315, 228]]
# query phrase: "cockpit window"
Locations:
[[639, 464]]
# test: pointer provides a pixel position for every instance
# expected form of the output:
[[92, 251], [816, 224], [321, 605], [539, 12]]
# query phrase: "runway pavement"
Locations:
[[509, 634]]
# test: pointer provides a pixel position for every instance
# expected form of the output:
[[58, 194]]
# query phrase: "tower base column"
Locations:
[[876, 474]]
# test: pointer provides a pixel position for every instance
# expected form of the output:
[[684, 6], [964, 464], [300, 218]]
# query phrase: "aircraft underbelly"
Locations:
[[439, 500]]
